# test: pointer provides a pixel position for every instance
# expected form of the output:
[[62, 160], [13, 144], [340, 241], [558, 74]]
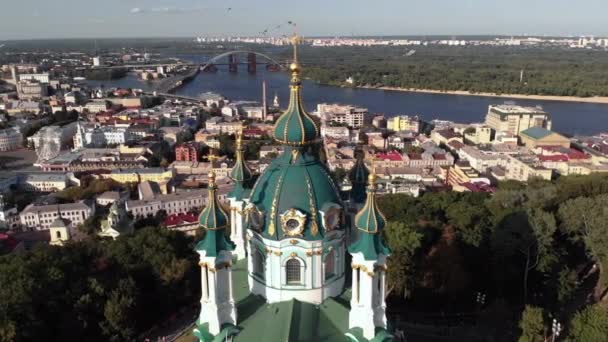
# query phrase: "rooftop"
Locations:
[[536, 133]]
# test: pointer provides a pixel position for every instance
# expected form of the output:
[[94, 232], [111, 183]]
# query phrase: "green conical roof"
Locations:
[[295, 127], [370, 222], [358, 177], [214, 220], [240, 173]]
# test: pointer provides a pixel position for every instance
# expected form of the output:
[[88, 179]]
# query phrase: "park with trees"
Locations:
[[464, 266]]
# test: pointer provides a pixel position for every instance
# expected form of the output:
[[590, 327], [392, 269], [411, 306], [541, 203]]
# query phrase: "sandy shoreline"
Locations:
[[596, 99]]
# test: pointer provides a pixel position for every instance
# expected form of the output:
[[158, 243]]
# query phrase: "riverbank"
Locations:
[[595, 99]]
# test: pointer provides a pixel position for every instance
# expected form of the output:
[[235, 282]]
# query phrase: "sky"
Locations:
[[33, 19]]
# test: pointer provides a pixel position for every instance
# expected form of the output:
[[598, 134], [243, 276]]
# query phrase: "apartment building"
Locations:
[[515, 119], [40, 217]]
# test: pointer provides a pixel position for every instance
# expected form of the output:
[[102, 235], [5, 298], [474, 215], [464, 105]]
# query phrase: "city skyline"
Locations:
[[189, 18]]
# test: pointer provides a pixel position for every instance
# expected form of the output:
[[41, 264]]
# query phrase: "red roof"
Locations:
[[414, 156], [8, 241], [391, 156], [439, 156], [179, 219], [555, 157]]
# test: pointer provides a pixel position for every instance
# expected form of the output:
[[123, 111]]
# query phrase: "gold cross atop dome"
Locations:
[[295, 66]]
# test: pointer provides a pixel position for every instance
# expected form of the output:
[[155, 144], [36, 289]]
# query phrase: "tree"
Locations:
[[585, 219], [532, 325], [119, 311], [589, 325], [528, 234], [403, 242]]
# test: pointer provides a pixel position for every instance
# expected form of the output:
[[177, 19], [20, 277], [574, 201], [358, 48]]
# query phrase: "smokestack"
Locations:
[[264, 105]]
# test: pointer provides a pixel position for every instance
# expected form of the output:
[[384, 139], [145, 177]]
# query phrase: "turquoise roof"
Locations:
[[370, 222], [358, 177], [240, 174], [284, 321], [295, 127], [214, 220], [294, 180], [536, 132]]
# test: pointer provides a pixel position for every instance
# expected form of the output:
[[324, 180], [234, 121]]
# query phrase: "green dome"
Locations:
[[370, 222], [295, 127], [214, 220], [358, 177], [295, 180], [240, 174]]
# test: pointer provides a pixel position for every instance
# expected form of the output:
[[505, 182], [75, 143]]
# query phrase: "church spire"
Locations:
[[240, 173], [295, 127], [214, 220], [358, 177], [370, 222]]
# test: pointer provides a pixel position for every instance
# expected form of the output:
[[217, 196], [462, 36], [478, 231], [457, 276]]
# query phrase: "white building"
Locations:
[[10, 139], [40, 217], [342, 114], [176, 203], [45, 182], [42, 78], [514, 119]]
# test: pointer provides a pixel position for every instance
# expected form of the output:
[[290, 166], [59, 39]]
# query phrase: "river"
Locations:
[[568, 117]]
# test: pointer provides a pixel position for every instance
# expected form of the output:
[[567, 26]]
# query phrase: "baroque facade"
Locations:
[[295, 235]]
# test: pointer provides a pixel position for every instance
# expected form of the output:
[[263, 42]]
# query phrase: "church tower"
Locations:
[[241, 175], [79, 138], [295, 215], [369, 253], [215, 251]]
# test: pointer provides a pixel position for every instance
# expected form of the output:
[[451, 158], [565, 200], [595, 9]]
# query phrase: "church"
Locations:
[[289, 259]]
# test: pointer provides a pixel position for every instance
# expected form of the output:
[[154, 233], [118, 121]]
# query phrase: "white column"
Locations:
[[204, 284], [212, 283], [230, 285], [355, 289]]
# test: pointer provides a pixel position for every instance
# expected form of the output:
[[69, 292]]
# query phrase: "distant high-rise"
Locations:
[[96, 61], [514, 119]]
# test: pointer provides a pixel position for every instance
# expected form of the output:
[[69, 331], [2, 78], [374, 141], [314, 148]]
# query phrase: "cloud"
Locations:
[[135, 10]]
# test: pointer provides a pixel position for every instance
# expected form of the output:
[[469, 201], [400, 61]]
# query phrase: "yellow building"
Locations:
[[158, 175], [538, 136], [404, 123], [482, 135]]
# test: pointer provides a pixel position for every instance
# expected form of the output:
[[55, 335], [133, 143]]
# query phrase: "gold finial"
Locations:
[[295, 66], [211, 177], [372, 176], [239, 139], [212, 157]]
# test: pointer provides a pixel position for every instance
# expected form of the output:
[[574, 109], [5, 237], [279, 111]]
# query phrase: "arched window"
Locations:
[[258, 264], [59, 234], [330, 264], [292, 272]]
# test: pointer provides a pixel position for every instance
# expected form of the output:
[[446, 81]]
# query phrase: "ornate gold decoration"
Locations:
[[278, 253], [293, 242], [319, 252], [309, 253], [293, 254], [291, 215], [273, 209], [314, 228], [294, 154]]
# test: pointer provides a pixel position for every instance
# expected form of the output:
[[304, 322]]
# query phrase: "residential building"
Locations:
[[342, 114], [480, 160], [97, 106], [337, 132], [41, 78], [157, 175], [524, 167], [175, 203], [481, 135], [44, 182], [404, 123], [40, 217], [28, 90], [515, 119], [445, 136], [10, 139], [186, 152], [537, 136], [379, 121], [462, 178]]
